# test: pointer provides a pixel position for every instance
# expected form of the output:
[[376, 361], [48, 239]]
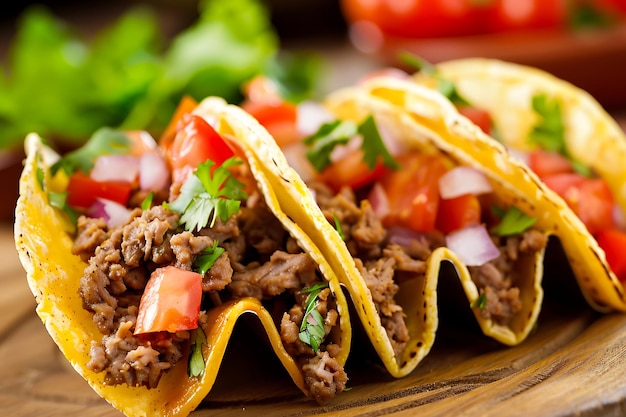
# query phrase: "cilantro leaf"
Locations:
[[513, 222], [329, 135], [206, 259], [419, 63], [196, 359], [209, 194], [373, 145], [104, 141], [147, 202], [312, 330], [448, 89], [549, 132], [59, 201], [480, 302], [444, 86], [338, 227], [323, 141]]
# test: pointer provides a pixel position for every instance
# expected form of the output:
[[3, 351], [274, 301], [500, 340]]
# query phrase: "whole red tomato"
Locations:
[[416, 18], [507, 15]]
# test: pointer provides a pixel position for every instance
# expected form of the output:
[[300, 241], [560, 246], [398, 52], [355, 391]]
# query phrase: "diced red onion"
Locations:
[[402, 236], [114, 213], [153, 172], [295, 154], [463, 180], [311, 116], [472, 245], [115, 168], [379, 200], [519, 155], [393, 145], [618, 217], [341, 151]]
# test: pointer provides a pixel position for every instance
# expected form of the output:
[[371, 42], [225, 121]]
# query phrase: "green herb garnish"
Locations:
[[147, 202], [196, 359], [323, 142], [312, 330], [480, 302], [338, 227], [208, 194], [373, 146], [206, 259], [105, 141], [549, 132], [513, 222], [328, 136], [444, 86]]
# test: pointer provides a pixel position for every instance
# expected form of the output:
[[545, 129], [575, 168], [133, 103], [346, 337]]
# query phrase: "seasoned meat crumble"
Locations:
[[260, 260], [383, 263]]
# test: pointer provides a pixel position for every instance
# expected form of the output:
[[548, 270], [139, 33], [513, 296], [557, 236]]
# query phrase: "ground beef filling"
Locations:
[[261, 260], [384, 261]]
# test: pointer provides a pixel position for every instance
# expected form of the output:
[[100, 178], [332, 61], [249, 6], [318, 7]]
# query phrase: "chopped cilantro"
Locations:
[[104, 141], [59, 201], [549, 132], [147, 202], [419, 63], [196, 359], [312, 330], [373, 145], [480, 302], [208, 194], [513, 222], [206, 259], [444, 86], [329, 135], [448, 89], [323, 141], [338, 227]]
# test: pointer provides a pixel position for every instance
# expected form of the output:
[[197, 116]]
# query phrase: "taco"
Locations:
[[142, 259], [577, 149], [402, 183]]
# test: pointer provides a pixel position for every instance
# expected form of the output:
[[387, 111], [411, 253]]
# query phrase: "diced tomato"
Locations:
[[613, 241], [545, 163], [195, 142], [589, 198], [351, 171], [185, 107], [83, 190], [478, 116], [278, 117], [413, 192], [170, 302], [458, 213]]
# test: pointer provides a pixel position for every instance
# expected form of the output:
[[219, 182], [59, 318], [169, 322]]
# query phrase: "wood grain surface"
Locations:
[[572, 365]]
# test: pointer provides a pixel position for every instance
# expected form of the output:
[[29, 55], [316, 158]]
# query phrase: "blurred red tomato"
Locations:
[[416, 18], [506, 15]]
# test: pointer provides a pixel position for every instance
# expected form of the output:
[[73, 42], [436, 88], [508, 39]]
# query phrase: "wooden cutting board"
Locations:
[[573, 364]]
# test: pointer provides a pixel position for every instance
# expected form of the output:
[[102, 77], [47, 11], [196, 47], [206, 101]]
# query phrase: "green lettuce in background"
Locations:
[[63, 87]]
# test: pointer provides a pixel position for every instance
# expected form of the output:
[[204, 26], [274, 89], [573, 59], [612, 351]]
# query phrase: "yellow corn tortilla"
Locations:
[[592, 137], [53, 274], [426, 121]]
